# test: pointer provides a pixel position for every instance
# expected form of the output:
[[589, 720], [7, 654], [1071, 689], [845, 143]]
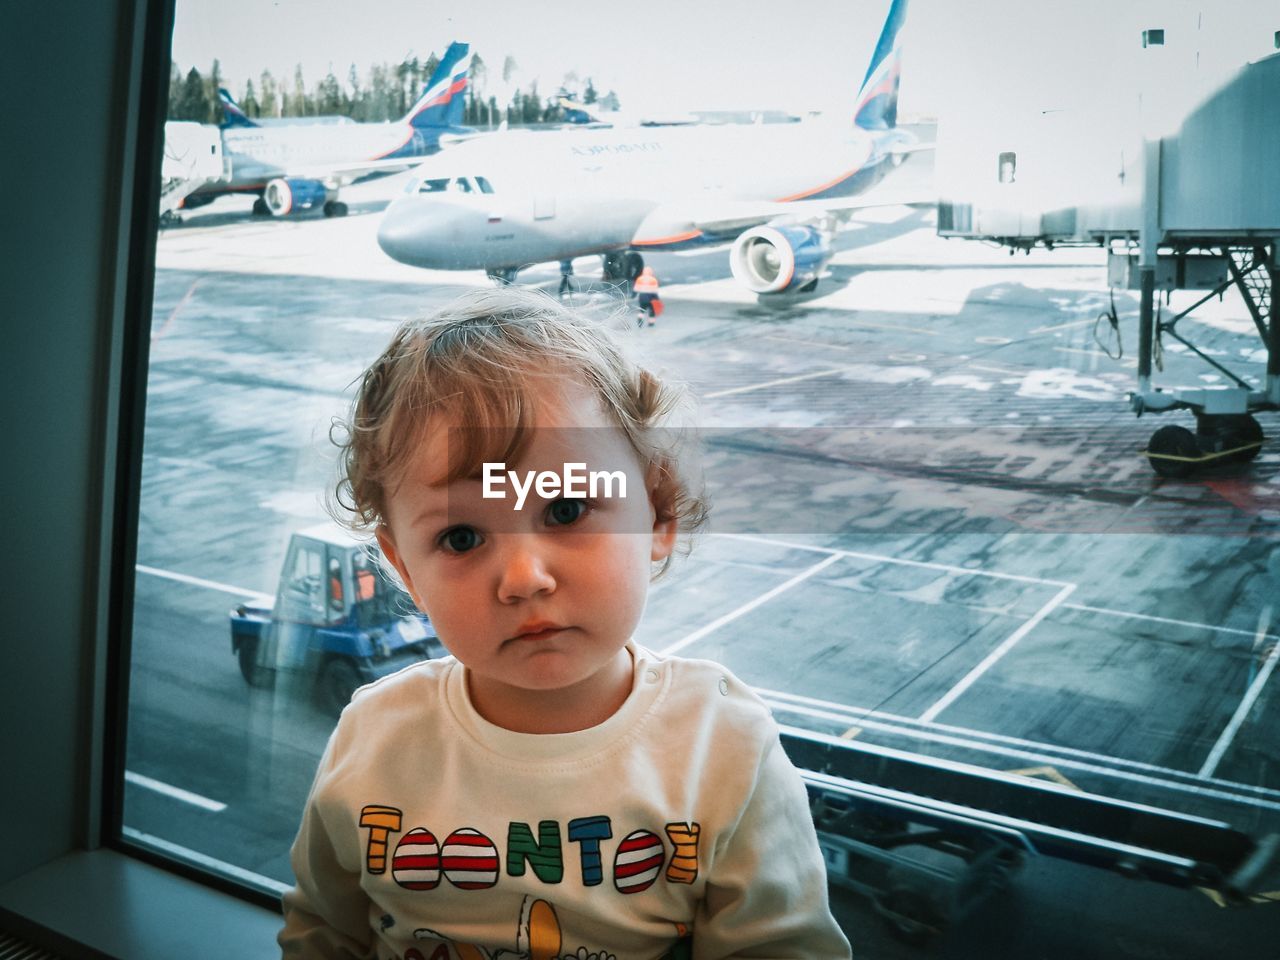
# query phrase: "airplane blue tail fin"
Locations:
[[235, 117], [877, 103], [444, 98]]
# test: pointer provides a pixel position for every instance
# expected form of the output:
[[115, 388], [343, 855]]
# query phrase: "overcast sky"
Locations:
[[680, 54]]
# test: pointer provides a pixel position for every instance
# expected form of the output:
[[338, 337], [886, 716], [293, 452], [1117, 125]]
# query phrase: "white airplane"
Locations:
[[584, 114], [775, 191], [296, 167]]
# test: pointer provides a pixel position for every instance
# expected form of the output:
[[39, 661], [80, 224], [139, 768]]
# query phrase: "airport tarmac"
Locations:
[[933, 528]]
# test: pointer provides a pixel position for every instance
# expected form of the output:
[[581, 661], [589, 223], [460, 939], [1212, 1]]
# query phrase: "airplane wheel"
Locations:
[[633, 265], [260, 208], [335, 208], [1173, 452], [613, 267]]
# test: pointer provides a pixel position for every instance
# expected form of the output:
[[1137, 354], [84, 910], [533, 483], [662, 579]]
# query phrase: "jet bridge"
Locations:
[[1196, 209]]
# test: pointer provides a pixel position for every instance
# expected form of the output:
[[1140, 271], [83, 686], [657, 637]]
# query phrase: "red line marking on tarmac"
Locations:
[[164, 327]]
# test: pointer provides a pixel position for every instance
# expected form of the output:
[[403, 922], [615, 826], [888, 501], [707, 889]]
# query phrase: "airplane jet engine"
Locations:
[[285, 196], [772, 259]]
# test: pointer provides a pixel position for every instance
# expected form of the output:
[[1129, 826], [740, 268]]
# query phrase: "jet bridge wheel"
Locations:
[[1173, 452], [1235, 437], [1176, 452]]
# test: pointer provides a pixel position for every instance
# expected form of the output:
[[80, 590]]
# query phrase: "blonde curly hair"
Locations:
[[474, 362]]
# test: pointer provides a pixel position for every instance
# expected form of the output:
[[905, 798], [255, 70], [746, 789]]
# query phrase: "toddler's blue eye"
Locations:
[[564, 512], [459, 539]]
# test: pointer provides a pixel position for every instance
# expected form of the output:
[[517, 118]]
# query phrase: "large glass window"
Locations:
[[1031, 628]]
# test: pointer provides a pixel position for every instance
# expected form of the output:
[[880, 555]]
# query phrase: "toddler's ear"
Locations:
[[666, 524], [389, 551], [664, 538]]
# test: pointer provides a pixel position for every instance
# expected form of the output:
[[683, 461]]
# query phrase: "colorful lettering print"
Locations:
[[469, 859]]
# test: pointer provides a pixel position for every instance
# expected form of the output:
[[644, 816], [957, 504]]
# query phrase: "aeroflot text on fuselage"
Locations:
[[596, 149], [574, 482]]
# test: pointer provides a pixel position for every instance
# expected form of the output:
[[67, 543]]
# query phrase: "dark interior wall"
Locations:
[[60, 165]]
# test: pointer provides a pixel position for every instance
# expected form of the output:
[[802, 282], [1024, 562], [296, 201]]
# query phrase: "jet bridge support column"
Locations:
[[1273, 325], [1146, 327], [1148, 245]]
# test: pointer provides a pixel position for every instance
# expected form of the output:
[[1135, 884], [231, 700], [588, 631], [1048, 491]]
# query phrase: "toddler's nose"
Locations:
[[524, 570]]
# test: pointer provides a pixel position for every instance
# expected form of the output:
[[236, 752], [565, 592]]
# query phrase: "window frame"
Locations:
[[134, 159], [144, 67]]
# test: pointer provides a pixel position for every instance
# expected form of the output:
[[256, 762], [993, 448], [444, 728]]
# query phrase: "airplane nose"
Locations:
[[400, 235]]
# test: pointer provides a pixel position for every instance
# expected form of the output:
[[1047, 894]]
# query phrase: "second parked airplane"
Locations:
[[297, 167]]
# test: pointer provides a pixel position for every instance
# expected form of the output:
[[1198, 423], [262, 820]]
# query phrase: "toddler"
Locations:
[[552, 789]]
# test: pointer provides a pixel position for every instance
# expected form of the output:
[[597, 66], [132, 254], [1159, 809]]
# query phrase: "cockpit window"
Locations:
[[484, 185], [434, 186], [464, 185]]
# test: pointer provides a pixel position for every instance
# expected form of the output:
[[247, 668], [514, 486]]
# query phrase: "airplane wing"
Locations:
[[905, 149], [674, 223], [340, 174]]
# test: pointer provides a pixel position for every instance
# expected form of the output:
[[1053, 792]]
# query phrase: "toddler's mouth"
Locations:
[[537, 629]]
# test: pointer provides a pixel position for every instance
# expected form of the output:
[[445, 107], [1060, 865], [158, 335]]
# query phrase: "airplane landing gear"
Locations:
[[612, 267], [335, 208], [260, 208], [1175, 452], [622, 266], [504, 276]]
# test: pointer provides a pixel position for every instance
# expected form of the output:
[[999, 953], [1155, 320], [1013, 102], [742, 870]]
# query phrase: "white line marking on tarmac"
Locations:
[[748, 607], [994, 656], [879, 558], [201, 582], [177, 793], [1251, 696], [895, 327], [808, 343], [774, 383], [180, 852], [988, 369], [1020, 749], [928, 717], [1178, 623], [1065, 326]]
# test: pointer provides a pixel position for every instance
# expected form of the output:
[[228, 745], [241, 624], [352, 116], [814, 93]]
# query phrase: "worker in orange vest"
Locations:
[[647, 301]]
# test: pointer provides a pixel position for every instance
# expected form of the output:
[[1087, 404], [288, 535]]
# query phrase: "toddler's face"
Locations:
[[543, 599]]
